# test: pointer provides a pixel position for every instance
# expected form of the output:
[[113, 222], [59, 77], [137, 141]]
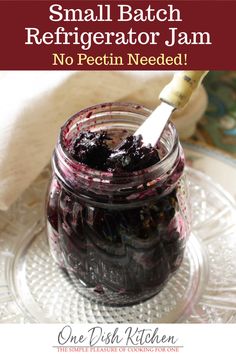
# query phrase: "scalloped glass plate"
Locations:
[[33, 289]]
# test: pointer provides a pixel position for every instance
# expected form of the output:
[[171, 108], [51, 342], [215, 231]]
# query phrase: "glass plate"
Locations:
[[34, 289]]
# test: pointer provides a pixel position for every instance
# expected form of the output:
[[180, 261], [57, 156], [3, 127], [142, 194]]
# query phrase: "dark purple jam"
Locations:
[[130, 243], [92, 149]]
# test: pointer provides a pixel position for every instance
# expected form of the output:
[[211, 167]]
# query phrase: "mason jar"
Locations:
[[119, 236]]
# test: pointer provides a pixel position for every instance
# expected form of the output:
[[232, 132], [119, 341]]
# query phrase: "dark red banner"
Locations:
[[117, 35]]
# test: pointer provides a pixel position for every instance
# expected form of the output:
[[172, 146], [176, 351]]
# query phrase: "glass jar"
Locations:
[[119, 237]]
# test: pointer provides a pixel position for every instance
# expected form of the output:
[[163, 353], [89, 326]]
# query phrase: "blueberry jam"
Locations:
[[117, 218], [91, 148]]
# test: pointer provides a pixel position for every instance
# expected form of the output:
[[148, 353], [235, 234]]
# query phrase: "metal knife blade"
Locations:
[[152, 128]]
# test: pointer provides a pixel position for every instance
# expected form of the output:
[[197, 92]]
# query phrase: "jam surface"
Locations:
[[130, 250], [92, 149]]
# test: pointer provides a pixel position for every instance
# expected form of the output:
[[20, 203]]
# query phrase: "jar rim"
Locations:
[[84, 171]]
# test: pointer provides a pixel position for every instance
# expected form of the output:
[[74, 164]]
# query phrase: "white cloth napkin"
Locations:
[[33, 106]]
